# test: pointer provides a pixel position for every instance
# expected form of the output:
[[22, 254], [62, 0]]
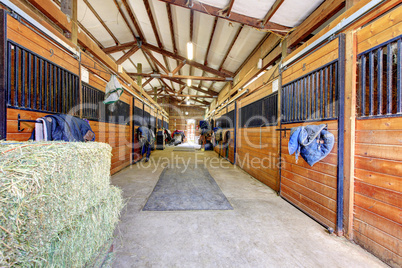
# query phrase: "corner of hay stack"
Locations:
[[57, 205]]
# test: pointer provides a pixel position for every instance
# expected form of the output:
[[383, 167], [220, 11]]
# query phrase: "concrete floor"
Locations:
[[263, 230]]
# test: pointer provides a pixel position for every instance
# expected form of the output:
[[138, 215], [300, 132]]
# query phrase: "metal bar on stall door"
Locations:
[[363, 86], [22, 78], [317, 93], [325, 111], [380, 54], [371, 83], [49, 92], [59, 96], [389, 79], [45, 86], [35, 82], [399, 78], [40, 89], [331, 92], [9, 53], [4, 80], [321, 93], [336, 89], [313, 96], [308, 97], [29, 77], [54, 99], [305, 99], [16, 76]]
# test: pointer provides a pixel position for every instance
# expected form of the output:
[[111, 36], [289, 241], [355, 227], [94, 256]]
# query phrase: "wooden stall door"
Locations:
[[377, 222], [310, 93]]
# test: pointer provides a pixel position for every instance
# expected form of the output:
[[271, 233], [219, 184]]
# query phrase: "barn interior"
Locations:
[[199, 133]]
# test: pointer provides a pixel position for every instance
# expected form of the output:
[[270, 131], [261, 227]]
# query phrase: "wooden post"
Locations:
[[74, 25], [139, 78], [350, 129], [69, 7], [3, 74], [156, 93]]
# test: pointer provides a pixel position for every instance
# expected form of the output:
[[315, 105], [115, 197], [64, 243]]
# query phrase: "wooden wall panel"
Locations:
[[378, 188], [258, 154], [29, 39], [318, 58], [311, 188]]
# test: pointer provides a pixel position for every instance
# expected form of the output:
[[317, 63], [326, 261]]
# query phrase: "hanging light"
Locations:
[[190, 50], [189, 82]]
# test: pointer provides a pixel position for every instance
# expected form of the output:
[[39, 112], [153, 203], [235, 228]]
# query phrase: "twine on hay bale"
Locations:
[[57, 205]]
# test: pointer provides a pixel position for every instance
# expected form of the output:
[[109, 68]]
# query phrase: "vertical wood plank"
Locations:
[[350, 130]]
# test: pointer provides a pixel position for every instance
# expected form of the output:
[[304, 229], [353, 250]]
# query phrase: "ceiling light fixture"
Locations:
[[189, 82], [190, 50]]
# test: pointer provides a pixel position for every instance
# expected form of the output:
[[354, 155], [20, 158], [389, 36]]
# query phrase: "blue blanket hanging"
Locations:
[[313, 142]]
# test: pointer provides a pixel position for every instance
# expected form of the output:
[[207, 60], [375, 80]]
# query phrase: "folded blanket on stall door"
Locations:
[[313, 142], [62, 127]]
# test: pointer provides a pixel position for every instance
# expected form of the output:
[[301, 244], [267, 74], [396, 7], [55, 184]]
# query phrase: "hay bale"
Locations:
[[57, 205]]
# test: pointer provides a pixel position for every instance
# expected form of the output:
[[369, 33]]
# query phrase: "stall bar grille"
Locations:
[[159, 123], [92, 97], [165, 124], [138, 116], [93, 107], [226, 120], [263, 112], [312, 97], [36, 84], [380, 81]]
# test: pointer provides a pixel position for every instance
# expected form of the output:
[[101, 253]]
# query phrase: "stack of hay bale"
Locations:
[[57, 207]]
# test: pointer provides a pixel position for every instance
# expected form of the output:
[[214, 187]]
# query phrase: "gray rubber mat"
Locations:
[[193, 188]]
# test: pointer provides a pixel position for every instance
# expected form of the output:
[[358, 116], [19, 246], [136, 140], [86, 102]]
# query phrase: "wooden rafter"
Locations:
[[155, 30], [181, 95], [133, 19], [178, 67], [168, 76], [271, 12], [225, 12], [171, 27], [230, 47], [184, 85], [147, 82], [127, 55], [168, 54], [90, 35], [101, 21], [155, 60], [124, 17], [214, 11]]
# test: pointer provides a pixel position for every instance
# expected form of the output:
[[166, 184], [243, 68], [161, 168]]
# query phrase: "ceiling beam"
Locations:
[[272, 11], [214, 11], [133, 20], [178, 67], [225, 12], [325, 11], [147, 82], [168, 76], [171, 27], [150, 92], [155, 60], [181, 58], [101, 21], [230, 47], [124, 17], [167, 53], [184, 85], [127, 55]]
